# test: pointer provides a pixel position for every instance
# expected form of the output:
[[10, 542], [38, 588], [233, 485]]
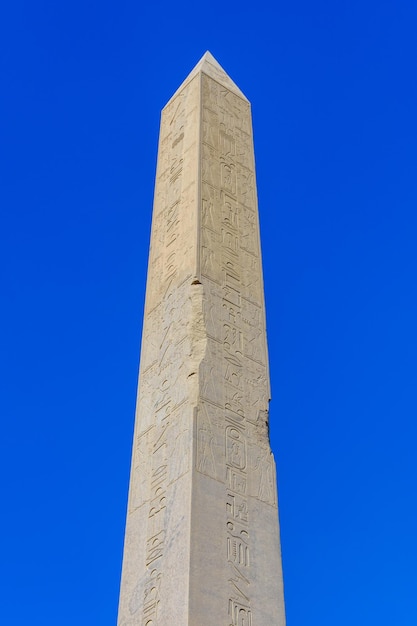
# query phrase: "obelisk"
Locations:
[[202, 543]]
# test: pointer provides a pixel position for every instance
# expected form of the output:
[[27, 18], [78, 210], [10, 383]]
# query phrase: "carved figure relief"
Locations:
[[209, 212], [228, 180], [263, 473], [211, 306], [206, 463], [206, 440], [210, 197], [209, 259], [209, 388], [235, 448]]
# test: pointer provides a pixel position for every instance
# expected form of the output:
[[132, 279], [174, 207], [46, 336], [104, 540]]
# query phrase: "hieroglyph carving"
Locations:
[[234, 317], [162, 452]]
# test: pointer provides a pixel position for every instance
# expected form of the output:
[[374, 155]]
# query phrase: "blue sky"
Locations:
[[333, 91]]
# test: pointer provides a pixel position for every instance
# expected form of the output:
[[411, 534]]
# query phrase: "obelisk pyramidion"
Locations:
[[202, 543]]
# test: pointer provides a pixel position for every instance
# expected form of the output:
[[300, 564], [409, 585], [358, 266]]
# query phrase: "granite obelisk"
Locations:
[[202, 543]]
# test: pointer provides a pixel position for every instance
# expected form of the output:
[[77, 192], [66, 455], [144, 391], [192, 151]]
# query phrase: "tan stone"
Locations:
[[202, 537]]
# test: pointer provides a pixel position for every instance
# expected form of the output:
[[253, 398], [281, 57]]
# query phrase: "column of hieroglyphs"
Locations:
[[159, 488], [202, 538]]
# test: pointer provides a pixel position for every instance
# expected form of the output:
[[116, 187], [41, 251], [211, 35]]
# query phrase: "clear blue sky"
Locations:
[[334, 96]]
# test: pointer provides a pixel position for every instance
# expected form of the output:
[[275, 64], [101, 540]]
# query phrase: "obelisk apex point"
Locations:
[[208, 65]]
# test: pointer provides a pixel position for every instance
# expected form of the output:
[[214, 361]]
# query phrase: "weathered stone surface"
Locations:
[[202, 539]]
